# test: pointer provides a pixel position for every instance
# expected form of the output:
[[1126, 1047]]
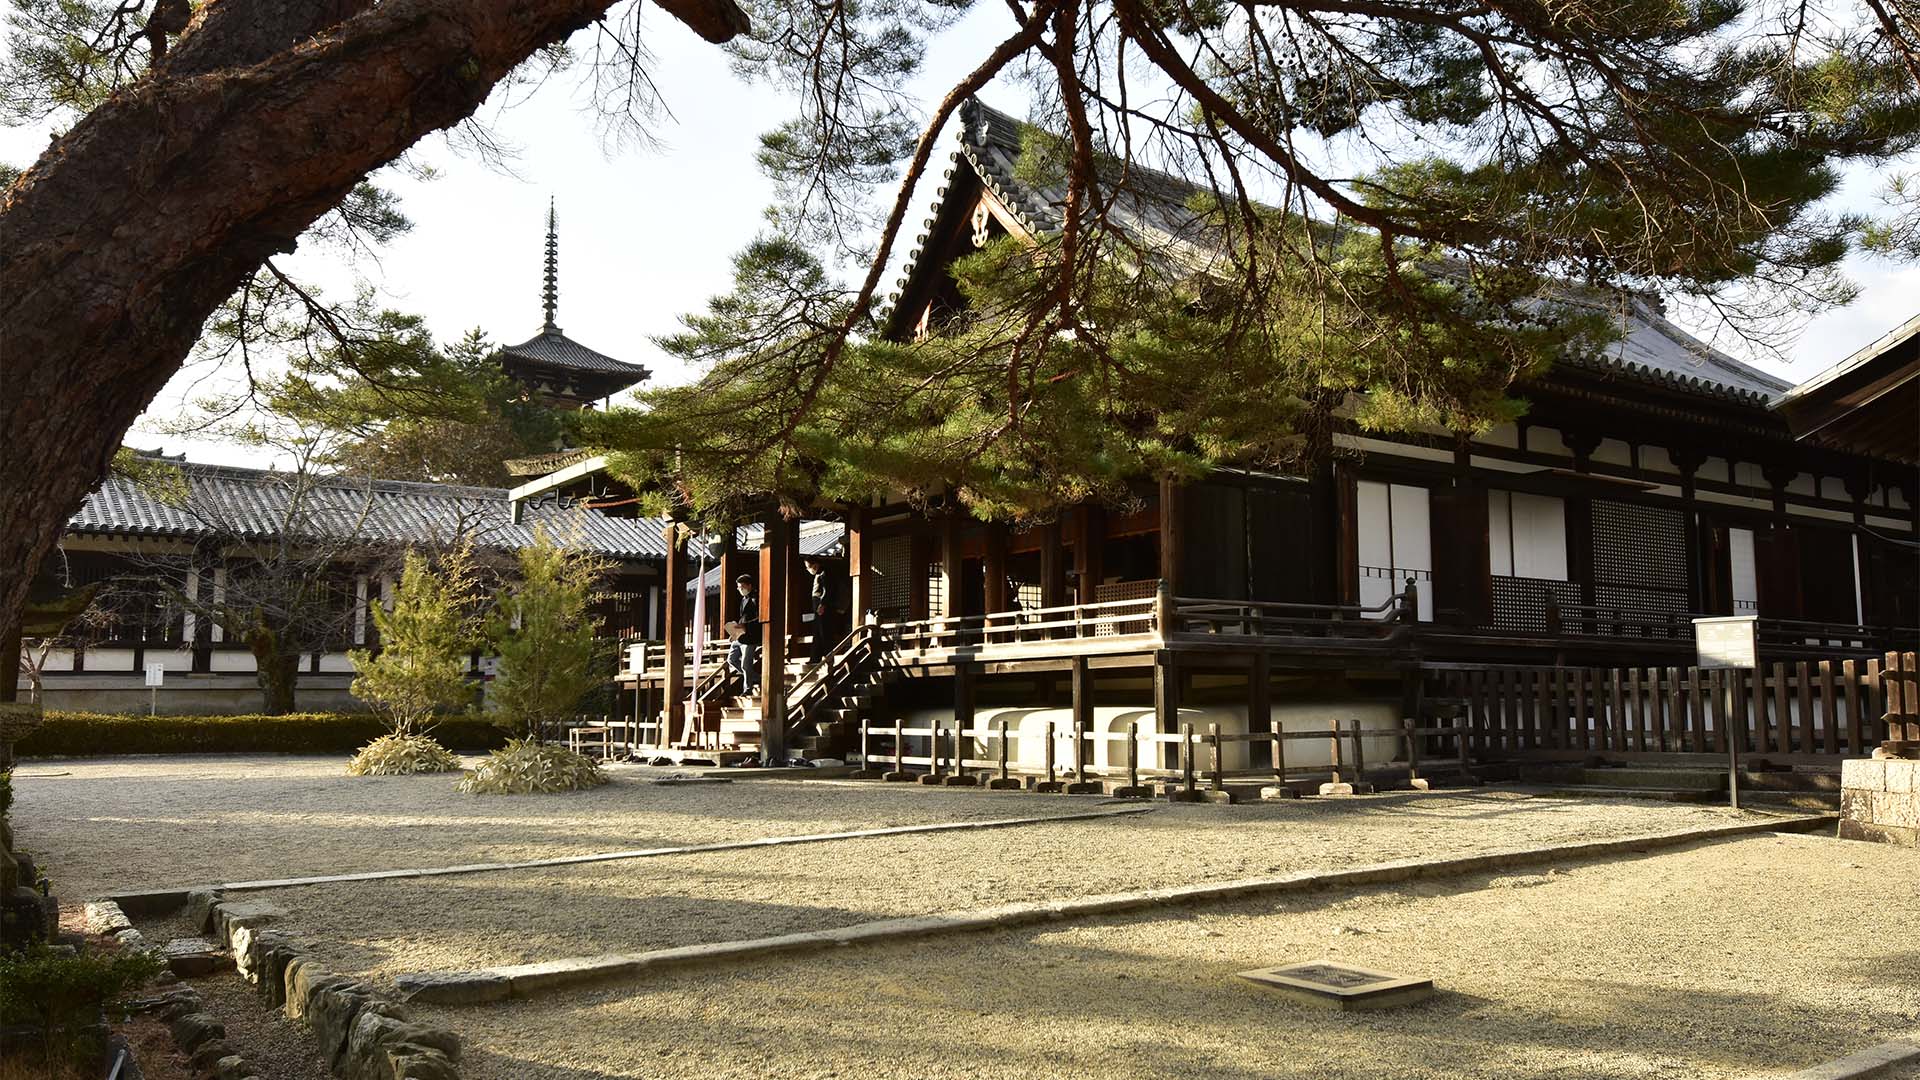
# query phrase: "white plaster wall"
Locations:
[[1613, 452], [1546, 440], [1028, 728], [1657, 459]]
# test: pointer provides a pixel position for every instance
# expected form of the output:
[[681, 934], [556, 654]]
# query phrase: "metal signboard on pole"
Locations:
[[1729, 643], [156, 677]]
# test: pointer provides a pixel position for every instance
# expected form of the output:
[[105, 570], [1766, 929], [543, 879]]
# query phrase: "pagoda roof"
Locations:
[[552, 349]]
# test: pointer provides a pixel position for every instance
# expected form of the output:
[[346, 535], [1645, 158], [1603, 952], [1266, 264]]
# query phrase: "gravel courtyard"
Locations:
[[114, 824], [1717, 961], [385, 928]]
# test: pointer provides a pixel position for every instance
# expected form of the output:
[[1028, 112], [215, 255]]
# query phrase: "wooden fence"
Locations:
[[1827, 707]]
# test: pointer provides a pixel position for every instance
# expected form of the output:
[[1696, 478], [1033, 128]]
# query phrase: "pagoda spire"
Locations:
[[550, 295]]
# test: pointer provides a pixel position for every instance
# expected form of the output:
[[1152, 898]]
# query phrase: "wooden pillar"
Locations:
[[677, 613], [1475, 562], [1260, 701], [732, 563], [1089, 546], [919, 557], [1053, 568], [1688, 460], [1081, 687], [1859, 485], [776, 556], [998, 596], [964, 679], [1166, 700], [949, 566], [859, 567], [1780, 589], [1170, 532]]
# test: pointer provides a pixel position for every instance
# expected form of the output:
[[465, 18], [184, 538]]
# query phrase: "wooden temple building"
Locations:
[[1662, 481]]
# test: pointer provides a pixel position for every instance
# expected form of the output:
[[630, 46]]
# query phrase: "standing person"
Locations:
[[826, 614], [743, 656]]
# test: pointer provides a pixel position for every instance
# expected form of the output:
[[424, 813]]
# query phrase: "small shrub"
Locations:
[[62, 992], [79, 734], [402, 755], [526, 767]]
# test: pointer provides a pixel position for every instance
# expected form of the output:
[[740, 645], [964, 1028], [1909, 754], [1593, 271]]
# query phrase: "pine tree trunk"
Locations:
[[136, 224], [277, 672]]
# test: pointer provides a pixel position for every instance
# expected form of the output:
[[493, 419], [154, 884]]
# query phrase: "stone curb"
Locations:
[[1873, 1061], [363, 1034], [525, 980], [162, 901]]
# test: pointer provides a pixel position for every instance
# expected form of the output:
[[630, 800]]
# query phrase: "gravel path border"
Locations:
[[526, 980], [1878, 1060]]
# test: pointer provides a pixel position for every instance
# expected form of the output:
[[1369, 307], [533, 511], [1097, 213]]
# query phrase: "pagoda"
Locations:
[[554, 366]]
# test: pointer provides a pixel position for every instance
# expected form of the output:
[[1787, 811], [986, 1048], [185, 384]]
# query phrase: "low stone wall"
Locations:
[[365, 1035], [1880, 800]]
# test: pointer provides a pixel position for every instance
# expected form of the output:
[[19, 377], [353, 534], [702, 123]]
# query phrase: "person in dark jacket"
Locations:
[[743, 656], [826, 621]]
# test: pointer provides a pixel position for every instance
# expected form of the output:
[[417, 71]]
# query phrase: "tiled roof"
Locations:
[[556, 350], [258, 504], [1154, 208], [816, 538]]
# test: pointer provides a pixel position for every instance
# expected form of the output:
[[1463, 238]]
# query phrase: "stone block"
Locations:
[[1852, 829], [194, 956], [406, 1062], [251, 911], [1898, 809], [305, 981], [1277, 792], [1336, 789], [200, 904], [195, 1029], [105, 917], [380, 1032], [331, 1011], [232, 1067], [1903, 777], [453, 987], [209, 1053]]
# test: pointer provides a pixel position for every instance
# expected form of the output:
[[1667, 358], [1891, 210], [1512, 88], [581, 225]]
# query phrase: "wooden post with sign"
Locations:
[[1730, 643]]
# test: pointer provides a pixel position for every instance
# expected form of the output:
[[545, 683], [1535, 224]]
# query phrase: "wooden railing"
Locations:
[[1825, 707], [1069, 622], [1259, 618]]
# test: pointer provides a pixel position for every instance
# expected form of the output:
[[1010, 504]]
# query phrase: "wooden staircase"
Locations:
[[825, 708]]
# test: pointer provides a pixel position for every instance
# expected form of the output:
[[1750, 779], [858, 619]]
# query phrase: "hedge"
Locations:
[[83, 734]]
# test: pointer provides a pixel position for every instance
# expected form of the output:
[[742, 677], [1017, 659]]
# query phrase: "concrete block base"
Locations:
[[1180, 794], [1278, 791], [899, 777], [1051, 787], [960, 781], [1125, 791], [865, 774], [933, 779], [1336, 789], [1091, 787], [1418, 784], [1010, 783]]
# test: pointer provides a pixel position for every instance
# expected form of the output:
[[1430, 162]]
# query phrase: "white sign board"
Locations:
[[1732, 641], [489, 666], [156, 674], [637, 658]]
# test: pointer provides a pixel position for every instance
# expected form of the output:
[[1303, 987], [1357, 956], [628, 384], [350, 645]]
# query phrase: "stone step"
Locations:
[[1662, 779], [1651, 794]]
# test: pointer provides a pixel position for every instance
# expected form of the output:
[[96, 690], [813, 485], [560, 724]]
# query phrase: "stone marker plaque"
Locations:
[[1333, 985]]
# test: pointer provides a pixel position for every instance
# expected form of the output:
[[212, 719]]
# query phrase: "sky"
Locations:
[[647, 232]]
